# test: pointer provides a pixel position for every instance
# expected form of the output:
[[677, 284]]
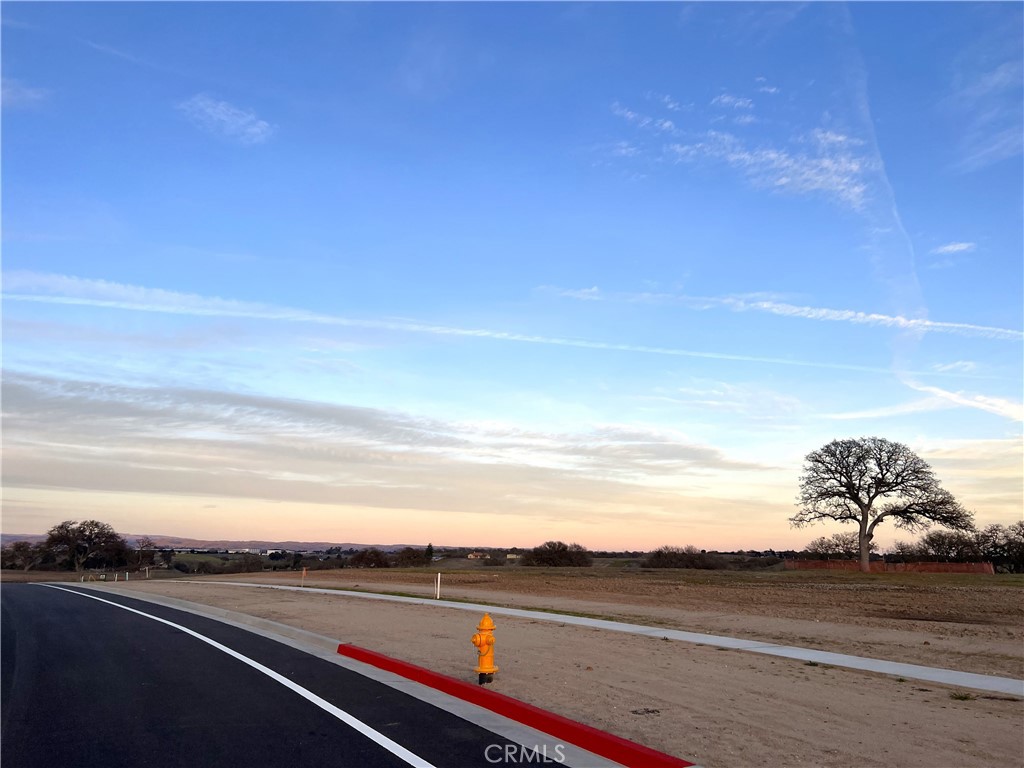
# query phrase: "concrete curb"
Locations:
[[622, 751]]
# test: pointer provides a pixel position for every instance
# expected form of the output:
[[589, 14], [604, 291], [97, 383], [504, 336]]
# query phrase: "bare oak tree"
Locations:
[[868, 480]]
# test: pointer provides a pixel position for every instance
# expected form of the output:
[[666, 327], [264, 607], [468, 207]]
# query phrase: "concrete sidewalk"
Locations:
[[989, 683]]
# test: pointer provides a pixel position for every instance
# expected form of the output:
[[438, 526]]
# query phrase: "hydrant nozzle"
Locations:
[[484, 642]]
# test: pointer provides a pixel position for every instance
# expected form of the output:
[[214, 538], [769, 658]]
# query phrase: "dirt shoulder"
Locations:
[[969, 623], [716, 707]]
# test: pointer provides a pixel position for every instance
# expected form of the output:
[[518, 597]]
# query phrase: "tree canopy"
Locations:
[[869, 480], [77, 544]]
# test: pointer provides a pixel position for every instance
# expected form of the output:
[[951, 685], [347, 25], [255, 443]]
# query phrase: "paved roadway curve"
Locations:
[[84, 683]]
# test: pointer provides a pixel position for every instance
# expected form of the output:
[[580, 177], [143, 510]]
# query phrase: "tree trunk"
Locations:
[[865, 549]]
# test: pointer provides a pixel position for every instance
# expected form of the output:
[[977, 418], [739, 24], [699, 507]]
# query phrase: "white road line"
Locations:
[[391, 746]]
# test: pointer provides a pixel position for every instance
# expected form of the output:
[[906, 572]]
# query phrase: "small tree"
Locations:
[[145, 551], [1013, 545], [906, 551], [952, 546], [24, 555], [868, 480], [844, 545]]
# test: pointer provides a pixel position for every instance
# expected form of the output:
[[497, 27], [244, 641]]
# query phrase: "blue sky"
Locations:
[[502, 273]]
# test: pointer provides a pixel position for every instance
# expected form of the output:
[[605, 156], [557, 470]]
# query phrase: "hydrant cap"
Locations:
[[486, 623]]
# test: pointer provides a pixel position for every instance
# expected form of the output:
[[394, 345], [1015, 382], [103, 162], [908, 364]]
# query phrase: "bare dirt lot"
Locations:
[[713, 706]]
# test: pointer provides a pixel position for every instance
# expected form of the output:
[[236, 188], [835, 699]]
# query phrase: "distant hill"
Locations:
[[180, 542], [9, 538]]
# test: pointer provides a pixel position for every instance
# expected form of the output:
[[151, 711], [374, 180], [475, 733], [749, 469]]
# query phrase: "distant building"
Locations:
[[512, 556], [476, 555]]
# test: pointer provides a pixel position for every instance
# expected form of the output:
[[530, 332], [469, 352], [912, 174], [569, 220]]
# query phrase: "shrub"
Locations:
[[368, 558], [684, 557], [558, 554]]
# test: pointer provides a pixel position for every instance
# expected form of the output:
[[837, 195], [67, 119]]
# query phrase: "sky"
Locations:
[[494, 274]]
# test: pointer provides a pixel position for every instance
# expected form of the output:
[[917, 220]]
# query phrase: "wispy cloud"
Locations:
[[631, 116], [587, 294], [821, 160], [624, 149], [987, 470], [830, 167], [116, 52], [987, 95], [641, 120], [14, 94], [227, 120], [997, 405], [735, 102], [7, 21], [80, 434], [752, 401], [954, 248], [157, 66], [903, 409], [873, 318], [745, 304], [960, 365], [665, 100], [74, 291], [950, 255]]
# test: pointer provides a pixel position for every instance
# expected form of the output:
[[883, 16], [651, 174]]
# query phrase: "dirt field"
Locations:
[[712, 706]]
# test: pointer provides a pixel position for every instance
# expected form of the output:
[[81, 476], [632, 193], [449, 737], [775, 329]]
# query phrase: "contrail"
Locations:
[[259, 312]]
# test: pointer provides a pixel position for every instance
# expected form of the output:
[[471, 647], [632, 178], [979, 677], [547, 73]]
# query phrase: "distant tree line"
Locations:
[[91, 544], [1003, 546]]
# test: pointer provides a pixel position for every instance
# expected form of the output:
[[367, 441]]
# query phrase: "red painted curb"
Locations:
[[620, 750]]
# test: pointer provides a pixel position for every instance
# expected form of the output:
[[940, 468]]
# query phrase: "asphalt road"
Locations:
[[87, 684]]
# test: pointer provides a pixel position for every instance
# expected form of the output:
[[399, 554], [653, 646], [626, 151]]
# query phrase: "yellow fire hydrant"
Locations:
[[484, 642]]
